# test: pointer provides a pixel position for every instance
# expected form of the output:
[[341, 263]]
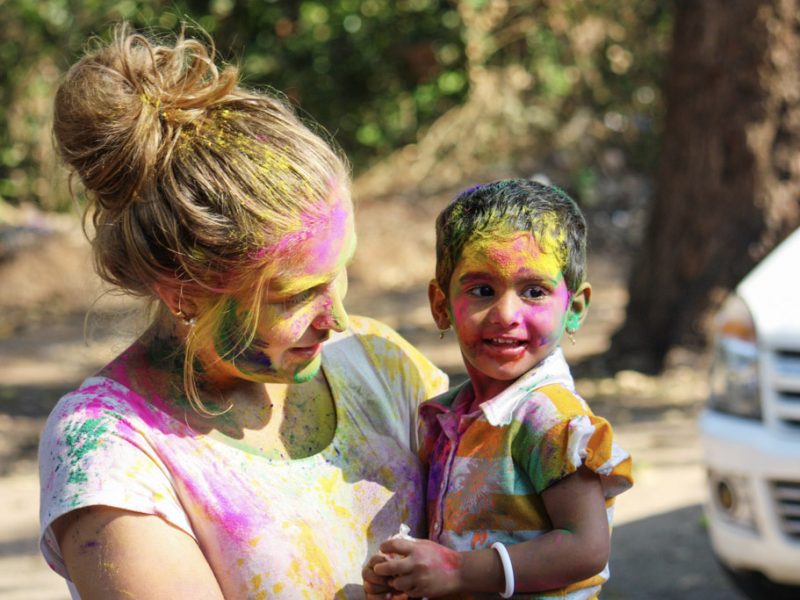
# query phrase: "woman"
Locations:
[[253, 442]]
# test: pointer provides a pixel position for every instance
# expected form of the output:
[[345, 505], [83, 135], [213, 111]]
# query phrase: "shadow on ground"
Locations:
[[674, 542]]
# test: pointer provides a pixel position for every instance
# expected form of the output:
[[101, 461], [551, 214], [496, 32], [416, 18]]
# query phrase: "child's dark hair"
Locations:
[[512, 205]]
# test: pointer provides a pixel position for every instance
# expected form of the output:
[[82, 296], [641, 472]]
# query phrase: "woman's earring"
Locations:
[[571, 335], [187, 320], [442, 332]]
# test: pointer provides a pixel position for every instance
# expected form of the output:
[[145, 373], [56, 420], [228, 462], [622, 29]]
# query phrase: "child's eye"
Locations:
[[534, 292], [481, 291]]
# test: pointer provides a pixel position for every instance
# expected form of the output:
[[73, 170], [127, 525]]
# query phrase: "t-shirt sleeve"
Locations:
[[562, 434], [408, 373], [95, 451]]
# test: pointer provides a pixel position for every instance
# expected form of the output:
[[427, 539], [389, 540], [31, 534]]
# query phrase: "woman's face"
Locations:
[[301, 304]]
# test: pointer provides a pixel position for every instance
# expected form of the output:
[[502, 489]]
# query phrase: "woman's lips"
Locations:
[[309, 351]]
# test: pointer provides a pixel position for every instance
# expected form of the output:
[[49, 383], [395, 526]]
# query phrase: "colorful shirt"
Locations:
[[488, 468], [269, 528]]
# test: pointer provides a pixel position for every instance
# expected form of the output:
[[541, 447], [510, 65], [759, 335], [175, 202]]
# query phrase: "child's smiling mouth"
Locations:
[[511, 342], [505, 348]]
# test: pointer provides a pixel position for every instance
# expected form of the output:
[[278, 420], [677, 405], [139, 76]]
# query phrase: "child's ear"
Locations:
[[438, 302], [579, 306]]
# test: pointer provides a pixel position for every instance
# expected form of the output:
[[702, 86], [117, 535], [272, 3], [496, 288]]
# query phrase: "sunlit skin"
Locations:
[[302, 304], [509, 305]]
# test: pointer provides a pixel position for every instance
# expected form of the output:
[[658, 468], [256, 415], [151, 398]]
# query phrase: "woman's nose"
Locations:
[[332, 314], [506, 310]]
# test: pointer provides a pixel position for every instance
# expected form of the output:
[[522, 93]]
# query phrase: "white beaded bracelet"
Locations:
[[508, 570]]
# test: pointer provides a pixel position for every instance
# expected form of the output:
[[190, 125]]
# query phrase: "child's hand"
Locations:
[[377, 587], [424, 569]]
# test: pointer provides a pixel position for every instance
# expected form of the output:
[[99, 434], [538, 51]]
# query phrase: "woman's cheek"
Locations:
[[286, 327]]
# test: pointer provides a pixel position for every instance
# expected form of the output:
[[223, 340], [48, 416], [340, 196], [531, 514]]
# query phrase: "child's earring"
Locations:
[[571, 335], [442, 332]]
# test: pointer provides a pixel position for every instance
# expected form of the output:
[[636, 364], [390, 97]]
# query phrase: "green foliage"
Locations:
[[373, 73], [603, 58]]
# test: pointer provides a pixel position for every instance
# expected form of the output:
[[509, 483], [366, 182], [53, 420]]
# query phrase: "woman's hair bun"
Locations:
[[120, 110]]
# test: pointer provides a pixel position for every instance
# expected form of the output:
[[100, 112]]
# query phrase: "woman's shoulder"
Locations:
[[390, 353], [366, 326], [381, 340], [94, 402]]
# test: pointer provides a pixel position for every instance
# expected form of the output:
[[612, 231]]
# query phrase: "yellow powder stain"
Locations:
[[256, 582], [510, 256], [315, 566], [328, 483], [277, 588], [254, 542], [240, 562]]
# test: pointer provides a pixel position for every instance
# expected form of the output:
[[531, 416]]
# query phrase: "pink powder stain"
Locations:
[[323, 226], [221, 505]]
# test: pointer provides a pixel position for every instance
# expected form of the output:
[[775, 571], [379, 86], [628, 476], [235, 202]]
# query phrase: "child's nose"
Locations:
[[506, 310]]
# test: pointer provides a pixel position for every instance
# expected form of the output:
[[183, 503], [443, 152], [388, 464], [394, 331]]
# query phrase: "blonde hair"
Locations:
[[188, 175]]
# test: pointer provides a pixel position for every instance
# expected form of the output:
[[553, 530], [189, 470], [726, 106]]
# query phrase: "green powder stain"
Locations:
[[82, 440], [86, 438], [77, 476], [227, 342]]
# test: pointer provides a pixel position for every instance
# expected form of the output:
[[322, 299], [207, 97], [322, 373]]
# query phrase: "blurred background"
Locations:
[[673, 124]]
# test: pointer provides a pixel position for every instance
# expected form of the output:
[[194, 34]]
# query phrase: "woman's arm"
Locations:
[[116, 554], [576, 548]]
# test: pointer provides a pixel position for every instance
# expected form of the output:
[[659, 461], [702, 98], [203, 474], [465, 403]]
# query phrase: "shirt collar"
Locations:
[[500, 409], [552, 370]]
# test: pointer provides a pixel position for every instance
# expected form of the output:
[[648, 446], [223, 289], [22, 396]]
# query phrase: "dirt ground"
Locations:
[[660, 548]]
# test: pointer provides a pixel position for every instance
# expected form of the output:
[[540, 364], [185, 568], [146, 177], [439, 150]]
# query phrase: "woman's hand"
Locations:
[[423, 569]]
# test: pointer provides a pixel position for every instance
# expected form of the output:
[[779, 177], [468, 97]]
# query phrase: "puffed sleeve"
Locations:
[[559, 434]]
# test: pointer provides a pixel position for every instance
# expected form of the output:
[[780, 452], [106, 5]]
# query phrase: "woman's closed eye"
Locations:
[[298, 298]]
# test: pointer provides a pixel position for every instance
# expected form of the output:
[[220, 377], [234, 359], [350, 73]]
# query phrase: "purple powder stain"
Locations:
[[90, 545]]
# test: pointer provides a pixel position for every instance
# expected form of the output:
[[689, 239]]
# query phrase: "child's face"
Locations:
[[509, 305]]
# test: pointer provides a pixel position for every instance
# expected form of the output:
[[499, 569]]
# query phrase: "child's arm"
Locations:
[[576, 548]]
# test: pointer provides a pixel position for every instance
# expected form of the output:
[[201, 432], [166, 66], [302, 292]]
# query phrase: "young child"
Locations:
[[522, 475]]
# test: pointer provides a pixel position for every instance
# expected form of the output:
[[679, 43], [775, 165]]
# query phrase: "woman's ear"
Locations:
[[579, 306], [178, 304], [438, 302]]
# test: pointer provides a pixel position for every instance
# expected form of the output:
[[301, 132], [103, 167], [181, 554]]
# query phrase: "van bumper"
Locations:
[[747, 458]]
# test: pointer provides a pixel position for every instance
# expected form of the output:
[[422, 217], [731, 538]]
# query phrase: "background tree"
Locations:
[[460, 88], [728, 180]]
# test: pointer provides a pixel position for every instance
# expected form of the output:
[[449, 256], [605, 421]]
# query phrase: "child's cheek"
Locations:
[[465, 324], [542, 323]]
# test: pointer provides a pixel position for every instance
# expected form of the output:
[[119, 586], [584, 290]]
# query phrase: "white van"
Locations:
[[750, 428]]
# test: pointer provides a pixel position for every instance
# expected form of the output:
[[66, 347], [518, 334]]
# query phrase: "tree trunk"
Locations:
[[728, 180]]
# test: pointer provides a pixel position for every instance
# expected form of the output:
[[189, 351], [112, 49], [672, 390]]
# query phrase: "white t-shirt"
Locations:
[[269, 528]]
